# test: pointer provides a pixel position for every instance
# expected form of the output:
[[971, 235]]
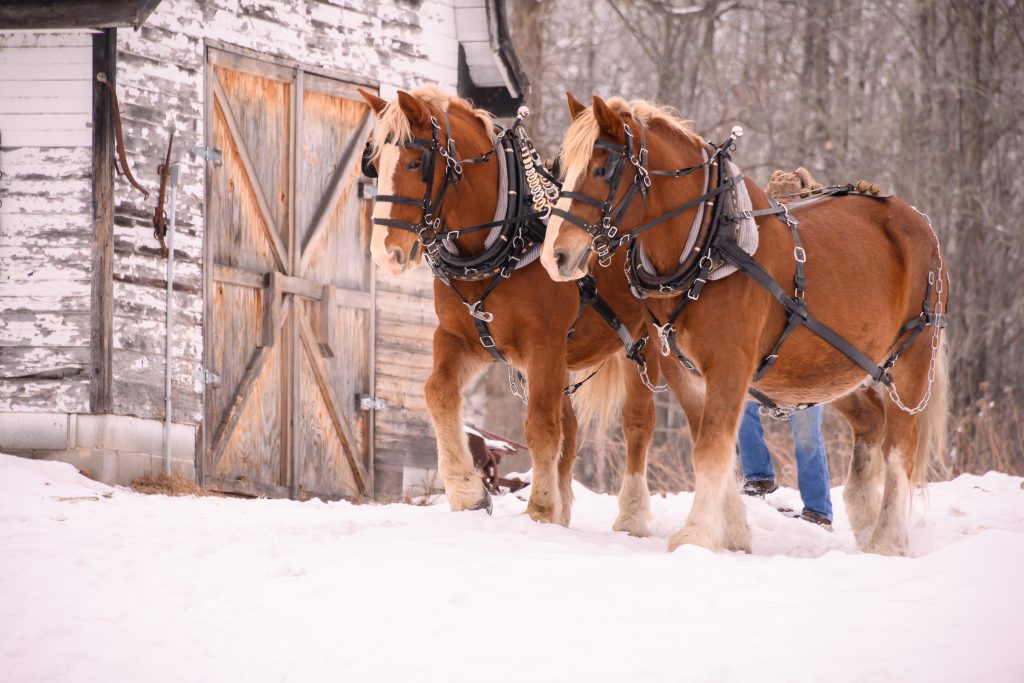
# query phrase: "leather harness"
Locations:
[[719, 246], [521, 229]]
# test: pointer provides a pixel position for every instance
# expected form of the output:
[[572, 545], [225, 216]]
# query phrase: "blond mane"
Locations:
[[394, 126], [584, 131]]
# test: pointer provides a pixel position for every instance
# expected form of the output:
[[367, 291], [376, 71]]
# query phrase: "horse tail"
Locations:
[[931, 431], [600, 399]]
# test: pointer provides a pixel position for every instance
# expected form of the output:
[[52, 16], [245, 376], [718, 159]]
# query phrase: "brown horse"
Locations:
[[532, 314], [861, 268]]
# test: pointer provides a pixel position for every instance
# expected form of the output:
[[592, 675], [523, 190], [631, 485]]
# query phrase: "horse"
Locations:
[[868, 288], [438, 184]]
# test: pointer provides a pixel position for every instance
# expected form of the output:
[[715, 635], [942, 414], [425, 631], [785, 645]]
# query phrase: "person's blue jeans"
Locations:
[[811, 462]]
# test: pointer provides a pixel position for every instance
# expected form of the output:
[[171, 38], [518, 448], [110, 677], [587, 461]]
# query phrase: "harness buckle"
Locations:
[[509, 268], [800, 255], [487, 341], [635, 351], [694, 292], [451, 236], [477, 312]]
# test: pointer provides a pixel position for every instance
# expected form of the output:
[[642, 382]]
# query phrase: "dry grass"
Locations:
[[169, 485], [990, 437]]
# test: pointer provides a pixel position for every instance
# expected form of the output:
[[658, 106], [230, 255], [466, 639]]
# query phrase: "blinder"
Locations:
[[613, 167], [367, 167]]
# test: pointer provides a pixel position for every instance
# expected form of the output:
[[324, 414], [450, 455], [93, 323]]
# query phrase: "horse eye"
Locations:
[[413, 165], [599, 171]]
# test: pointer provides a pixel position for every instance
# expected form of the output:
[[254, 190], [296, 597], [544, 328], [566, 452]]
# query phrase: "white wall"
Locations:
[[398, 43], [45, 218]]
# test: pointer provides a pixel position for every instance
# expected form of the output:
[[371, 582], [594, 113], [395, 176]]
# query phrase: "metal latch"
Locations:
[[206, 377], [210, 154], [368, 403]]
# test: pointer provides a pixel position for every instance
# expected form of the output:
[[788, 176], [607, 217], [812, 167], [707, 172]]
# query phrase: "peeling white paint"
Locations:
[[47, 193]]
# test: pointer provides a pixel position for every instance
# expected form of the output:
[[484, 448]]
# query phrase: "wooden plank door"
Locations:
[[289, 320]]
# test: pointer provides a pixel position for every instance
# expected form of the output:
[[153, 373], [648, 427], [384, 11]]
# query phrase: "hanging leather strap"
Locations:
[[119, 135]]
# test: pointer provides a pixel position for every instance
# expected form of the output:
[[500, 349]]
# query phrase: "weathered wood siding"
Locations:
[[405, 331], [394, 43], [45, 220]]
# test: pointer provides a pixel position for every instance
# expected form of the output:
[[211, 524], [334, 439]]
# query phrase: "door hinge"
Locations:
[[206, 377], [371, 403], [211, 154]]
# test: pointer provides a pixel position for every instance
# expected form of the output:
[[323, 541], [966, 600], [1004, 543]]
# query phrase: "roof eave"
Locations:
[[74, 14]]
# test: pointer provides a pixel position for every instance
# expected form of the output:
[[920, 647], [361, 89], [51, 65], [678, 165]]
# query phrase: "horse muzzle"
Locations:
[[563, 265], [393, 261]]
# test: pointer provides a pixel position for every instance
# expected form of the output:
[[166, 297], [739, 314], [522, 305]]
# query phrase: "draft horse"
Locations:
[[440, 186], [838, 297]]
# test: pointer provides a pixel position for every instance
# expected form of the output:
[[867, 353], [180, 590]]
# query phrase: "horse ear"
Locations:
[[377, 104], [415, 111], [609, 122], [575, 106]]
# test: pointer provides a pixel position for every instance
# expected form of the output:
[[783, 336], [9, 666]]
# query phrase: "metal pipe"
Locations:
[[169, 341]]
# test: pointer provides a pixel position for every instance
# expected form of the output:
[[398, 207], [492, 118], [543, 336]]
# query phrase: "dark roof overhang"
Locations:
[[69, 14]]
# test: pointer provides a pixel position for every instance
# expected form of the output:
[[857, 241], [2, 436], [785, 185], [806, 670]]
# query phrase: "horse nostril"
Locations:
[[560, 258], [398, 254]]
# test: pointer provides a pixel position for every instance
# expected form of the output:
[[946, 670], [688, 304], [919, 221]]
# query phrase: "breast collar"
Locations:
[[514, 235], [606, 237]]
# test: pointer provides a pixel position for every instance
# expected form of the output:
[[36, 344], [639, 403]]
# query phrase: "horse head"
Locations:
[[422, 186], [607, 155]]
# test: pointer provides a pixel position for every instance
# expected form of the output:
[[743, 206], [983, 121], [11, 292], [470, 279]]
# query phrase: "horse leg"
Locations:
[[638, 417], [890, 533], [567, 458], [908, 442], [865, 412], [463, 484], [545, 370], [688, 389], [717, 519]]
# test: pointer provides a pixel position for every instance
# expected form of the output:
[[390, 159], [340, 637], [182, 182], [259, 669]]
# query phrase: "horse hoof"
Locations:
[[632, 526], [690, 536], [484, 503], [887, 549], [538, 513]]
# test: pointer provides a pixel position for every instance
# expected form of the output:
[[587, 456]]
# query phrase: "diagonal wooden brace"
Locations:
[[271, 309], [325, 337]]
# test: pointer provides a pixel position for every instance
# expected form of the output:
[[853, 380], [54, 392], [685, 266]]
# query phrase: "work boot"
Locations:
[[758, 488], [817, 518]]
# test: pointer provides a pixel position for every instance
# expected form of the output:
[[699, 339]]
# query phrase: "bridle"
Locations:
[[605, 232], [518, 232], [719, 245], [429, 229], [522, 229]]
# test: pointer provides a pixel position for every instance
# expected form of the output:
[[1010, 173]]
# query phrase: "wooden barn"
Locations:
[[296, 371]]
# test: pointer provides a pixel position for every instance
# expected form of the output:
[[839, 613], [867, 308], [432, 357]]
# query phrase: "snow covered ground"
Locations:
[[119, 586]]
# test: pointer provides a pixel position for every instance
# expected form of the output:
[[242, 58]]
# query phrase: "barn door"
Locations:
[[289, 320]]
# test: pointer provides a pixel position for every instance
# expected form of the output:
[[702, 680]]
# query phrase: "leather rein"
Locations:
[[522, 229], [718, 246]]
